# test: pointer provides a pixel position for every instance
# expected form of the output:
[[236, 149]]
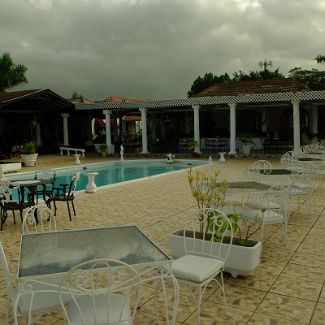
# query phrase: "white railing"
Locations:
[[76, 151]]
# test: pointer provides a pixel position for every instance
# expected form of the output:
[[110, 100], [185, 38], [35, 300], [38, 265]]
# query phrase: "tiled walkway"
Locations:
[[287, 288]]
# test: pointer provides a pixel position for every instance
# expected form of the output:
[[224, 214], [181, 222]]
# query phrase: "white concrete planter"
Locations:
[[10, 167], [246, 148], [29, 160], [242, 260]]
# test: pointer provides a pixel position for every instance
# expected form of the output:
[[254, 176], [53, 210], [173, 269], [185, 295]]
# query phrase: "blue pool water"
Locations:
[[115, 172]]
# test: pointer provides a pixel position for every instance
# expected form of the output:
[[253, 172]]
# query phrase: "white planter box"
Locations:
[[246, 148], [29, 160], [242, 260], [10, 167]]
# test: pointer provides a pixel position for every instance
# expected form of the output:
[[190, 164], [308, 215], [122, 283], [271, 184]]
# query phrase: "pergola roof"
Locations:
[[251, 87], [277, 97], [37, 100]]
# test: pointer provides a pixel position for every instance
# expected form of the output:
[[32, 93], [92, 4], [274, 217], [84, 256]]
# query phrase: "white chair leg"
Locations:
[[199, 305], [223, 292]]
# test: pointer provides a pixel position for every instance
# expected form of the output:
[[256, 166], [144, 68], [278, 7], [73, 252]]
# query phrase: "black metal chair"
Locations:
[[64, 193], [8, 204]]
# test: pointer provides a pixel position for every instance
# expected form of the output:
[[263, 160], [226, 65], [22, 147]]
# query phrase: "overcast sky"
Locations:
[[155, 48]]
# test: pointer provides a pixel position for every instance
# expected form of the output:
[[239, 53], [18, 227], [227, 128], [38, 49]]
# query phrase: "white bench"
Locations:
[[76, 151]]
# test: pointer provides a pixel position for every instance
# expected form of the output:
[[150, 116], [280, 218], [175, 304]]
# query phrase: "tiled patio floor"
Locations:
[[287, 288]]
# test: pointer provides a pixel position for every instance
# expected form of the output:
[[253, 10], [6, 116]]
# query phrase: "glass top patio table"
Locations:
[[248, 185], [50, 253], [310, 159], [276, 171]]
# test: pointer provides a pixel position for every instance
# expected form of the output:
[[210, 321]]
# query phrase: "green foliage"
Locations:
[[209, 79], [257, 75], [201, 83], [192, 144], [103, 147], [210, 192], [246, 138], [320, 58], [76, 96], [314, 78], [10, 74], [29, 148]]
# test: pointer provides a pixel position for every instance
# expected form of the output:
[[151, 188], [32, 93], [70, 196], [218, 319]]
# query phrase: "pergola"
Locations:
[[261, 95], [38, 115]]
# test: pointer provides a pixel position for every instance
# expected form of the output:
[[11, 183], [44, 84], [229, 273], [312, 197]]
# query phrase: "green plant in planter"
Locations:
[[246, 138], [29, 148], [103, 148], [192, 145], [210, 192]]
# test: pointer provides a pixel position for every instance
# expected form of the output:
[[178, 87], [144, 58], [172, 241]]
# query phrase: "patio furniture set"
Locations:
[[96, 275], [19, 195]]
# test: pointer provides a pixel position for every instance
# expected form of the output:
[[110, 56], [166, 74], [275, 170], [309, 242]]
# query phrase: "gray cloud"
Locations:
[[155, 48]]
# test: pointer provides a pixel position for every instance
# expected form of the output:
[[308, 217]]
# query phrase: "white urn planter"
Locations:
[[246, 148], [242, 260], [29, 160]]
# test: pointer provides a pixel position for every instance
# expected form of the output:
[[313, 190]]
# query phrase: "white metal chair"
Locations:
[[204, 260], [38, 218], [36, 298], [99, 292], [272, 207]]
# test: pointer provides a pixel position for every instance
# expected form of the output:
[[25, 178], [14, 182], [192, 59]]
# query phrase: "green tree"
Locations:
[[210, 79], [320, 58], [76, 96], [314, 78], [201, 83], [11, 74]]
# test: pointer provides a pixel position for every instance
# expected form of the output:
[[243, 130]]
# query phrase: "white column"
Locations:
[[196, 112], [65, 129], [232, 107], [144, 130], [314, 119], [38, 141], [296, 125], [107, 114], [153, 126], [264, 124]]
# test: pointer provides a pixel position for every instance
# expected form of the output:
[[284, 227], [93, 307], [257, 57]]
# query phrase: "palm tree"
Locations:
[[10, 73], [320, 58]]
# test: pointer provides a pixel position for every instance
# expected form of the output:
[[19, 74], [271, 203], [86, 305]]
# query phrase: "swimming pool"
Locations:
[[115, 172]]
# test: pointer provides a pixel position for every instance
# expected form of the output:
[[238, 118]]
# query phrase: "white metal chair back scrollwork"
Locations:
[[74, 182], [99, 292], [38, 219], [262, 166], [205, 252], [31, 299], [212, 225], [6, 275]]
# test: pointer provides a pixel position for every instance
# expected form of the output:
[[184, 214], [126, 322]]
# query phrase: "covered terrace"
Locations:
[[273, 110]]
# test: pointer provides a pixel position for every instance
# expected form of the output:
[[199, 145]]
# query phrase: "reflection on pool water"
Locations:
[[115, 172]]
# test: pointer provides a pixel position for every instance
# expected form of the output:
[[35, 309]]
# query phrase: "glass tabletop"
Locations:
[[248, 185], [57, 252], [276, 171]]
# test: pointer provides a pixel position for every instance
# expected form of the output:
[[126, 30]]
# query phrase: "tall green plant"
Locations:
[[10, 74], [208, 191]]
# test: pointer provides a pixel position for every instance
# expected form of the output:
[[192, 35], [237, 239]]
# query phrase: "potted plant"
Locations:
[[29, 155], [247, 142], [103, 149], [192, 146], [209, 192]]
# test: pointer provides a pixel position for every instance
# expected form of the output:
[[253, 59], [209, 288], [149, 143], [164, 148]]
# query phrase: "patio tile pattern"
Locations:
[[286, 288]]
